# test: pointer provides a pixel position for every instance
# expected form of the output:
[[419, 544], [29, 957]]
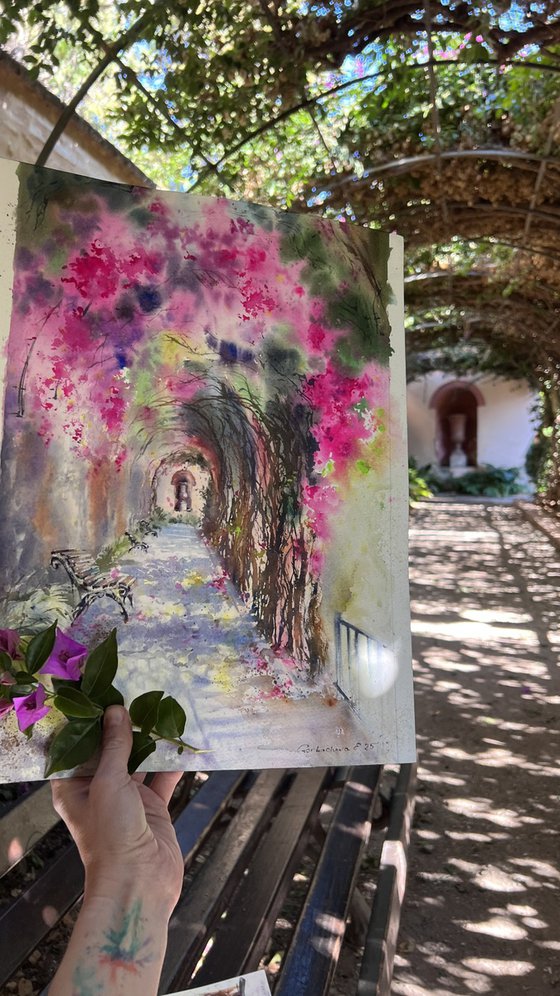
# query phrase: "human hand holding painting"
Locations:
[[134, 871]]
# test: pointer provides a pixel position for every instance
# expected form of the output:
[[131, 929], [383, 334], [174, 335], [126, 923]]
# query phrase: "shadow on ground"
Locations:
[[481, 912]]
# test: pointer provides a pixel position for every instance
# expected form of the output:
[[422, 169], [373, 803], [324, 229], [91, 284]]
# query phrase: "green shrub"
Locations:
[[488, 481], [110, 555], [31, 604], [538, 462], [417, 486]]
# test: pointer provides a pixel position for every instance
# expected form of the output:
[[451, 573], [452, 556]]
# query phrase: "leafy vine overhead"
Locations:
[[438, 118]]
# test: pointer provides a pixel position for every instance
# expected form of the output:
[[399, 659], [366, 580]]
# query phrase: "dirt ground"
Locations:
[[482, 909]]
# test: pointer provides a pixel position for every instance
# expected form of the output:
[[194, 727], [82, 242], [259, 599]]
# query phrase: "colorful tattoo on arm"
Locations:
[[83, 984], [124, 949], [125, 943]]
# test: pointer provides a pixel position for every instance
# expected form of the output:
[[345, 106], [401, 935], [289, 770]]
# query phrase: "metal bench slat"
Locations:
[[193, 825], [311, 960], [241, 939], [26, 921], [24, 825], [381, 941], [209, 893]]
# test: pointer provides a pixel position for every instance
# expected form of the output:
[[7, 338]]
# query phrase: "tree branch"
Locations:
[[123, 42], [303, 105], [162, 110]]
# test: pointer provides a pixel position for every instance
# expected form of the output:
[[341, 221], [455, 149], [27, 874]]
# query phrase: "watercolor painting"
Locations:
[[253, 984], [203, 445]]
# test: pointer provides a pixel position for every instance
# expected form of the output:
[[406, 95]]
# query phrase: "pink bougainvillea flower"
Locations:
[[30, 708], [9, 641], [66, 658], [5, 707]]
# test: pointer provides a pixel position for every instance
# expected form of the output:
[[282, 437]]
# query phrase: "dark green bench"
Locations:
[[244, 836]]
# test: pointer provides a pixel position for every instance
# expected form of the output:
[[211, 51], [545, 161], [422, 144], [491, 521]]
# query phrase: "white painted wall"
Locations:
[[505, 425], [28, 113]]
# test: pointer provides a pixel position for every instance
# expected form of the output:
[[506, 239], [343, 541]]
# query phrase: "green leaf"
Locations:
[[22, 688], [101, 667], [171, 719], [111, 696], [40, 648], [144, 710], [74, 745], [58, 683], [142, 747], [6, 662], [23, 677], [73, 702]]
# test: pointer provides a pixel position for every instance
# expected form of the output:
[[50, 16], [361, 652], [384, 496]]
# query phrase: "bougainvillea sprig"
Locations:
[[52, 673]]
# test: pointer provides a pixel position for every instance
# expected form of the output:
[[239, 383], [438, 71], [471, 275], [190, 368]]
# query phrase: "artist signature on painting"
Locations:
[[335, 748]]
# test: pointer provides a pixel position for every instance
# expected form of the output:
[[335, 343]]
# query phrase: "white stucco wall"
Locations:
[[505, 425], [28, 114]]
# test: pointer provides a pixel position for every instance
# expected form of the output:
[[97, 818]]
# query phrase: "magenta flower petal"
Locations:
[[5, 706], [30, 708], [9, 641], [66, 658]]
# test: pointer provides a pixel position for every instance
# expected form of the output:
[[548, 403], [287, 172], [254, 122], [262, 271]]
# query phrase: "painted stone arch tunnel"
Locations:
[[255, 457]]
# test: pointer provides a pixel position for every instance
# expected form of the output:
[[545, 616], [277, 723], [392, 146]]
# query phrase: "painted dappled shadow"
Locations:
[[191, 634]]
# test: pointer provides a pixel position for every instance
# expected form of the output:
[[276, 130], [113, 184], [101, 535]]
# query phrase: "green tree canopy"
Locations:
[[438, 119]]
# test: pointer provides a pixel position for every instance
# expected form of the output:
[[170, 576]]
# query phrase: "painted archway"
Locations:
[[183, 483]]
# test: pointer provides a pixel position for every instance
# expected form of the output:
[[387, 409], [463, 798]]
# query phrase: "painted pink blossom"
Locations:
[[30, 708], [9, 641], [66, 658], [219, 583]]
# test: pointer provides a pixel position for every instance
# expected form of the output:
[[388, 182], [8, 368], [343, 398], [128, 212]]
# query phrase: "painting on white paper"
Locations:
[[207, 398], [254, 984]]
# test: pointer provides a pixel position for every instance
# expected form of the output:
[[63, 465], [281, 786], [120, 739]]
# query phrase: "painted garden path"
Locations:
[[191, 635], [481, 911]]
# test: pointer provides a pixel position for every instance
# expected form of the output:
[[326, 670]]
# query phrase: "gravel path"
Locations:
[[481, 910]]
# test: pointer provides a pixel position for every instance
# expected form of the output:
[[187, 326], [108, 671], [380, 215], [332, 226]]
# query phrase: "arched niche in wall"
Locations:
[[183, 483], [456, 406]]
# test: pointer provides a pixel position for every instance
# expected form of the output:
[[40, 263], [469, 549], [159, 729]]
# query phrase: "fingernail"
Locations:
[[114, 715]]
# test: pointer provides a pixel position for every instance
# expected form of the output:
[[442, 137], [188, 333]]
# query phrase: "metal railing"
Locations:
[[356, 656]]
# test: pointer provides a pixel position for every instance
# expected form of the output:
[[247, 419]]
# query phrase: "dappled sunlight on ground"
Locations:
[[481, 912]]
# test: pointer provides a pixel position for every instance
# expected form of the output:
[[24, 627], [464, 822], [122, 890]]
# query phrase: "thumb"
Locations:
[[116, 745]]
